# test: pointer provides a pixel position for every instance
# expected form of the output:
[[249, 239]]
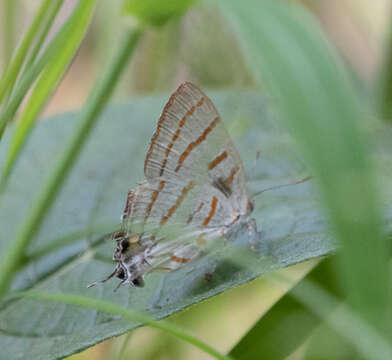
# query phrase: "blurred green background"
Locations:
[[201, 47]]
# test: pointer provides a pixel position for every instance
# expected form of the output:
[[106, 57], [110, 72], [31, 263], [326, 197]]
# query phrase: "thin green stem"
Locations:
[[88, 117], [9, 10], [53, 11], [124, 345], [8, 81], [114, 309], [51, 76], [384, 88], [31, 75]]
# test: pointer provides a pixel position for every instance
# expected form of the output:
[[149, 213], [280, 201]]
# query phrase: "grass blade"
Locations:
[[8, 80], [367, 340], [31, 74], [9, 11], [48, 22], [384, 86], [281, 322], [105, 306], [318, 103], [89, 115], [123, 349], [47, 82]]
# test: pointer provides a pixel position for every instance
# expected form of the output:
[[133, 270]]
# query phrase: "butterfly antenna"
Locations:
[[283, 185], [253, 169]]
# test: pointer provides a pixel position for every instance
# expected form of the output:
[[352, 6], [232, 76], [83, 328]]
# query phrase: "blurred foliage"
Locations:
[[197, 41], [156, 12], [9, 12], [81, 257], [173, 53]]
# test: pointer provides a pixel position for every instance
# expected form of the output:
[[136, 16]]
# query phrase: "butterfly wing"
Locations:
[[195, 184], [195, 189], [164, 247], [192, 146]]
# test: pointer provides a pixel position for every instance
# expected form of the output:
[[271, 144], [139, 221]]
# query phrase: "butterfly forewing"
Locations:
[[191, 144]]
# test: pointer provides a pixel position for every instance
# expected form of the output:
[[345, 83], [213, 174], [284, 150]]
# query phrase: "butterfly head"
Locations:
[[129, 256]]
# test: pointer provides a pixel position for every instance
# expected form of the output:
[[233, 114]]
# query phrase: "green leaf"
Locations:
[[293, 228], [155, 12]]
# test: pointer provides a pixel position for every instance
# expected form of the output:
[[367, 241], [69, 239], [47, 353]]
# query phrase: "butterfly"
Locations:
[[195, 191]]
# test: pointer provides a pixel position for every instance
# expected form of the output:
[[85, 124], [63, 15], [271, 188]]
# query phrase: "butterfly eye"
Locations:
[[118, 235], [124, 245]]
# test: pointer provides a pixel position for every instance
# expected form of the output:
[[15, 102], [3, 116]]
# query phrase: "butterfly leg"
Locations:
[[104, 280], [254, 235]]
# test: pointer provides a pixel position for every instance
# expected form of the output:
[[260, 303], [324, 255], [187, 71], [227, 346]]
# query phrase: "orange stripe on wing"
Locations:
[[195, 143], [230, 179], [217, 160], [154, 198], [177, 133], [207, 220], [178, 202], [160, 122], [179, 260]]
